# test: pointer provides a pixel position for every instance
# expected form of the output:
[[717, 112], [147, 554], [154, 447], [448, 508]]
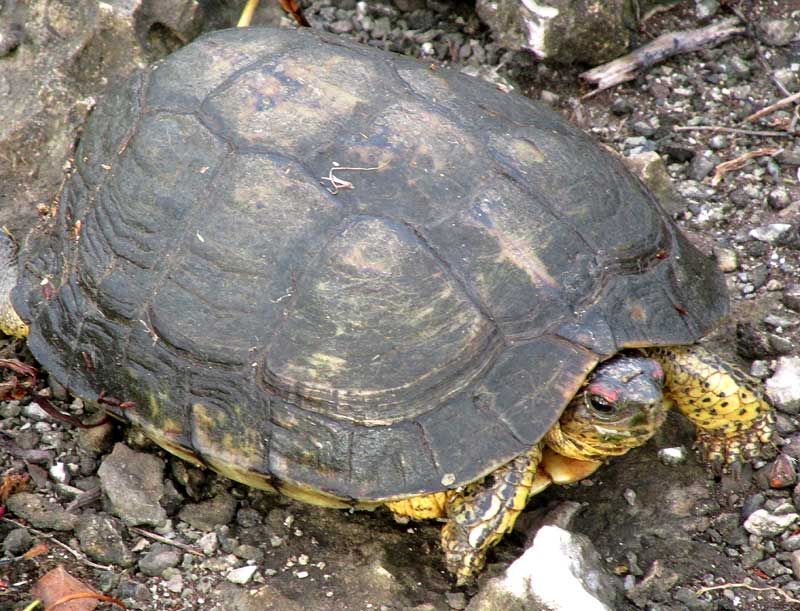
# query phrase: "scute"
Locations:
[[401, 334]]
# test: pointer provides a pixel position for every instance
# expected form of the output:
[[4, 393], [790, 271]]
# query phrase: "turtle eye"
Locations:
[[599, 404]]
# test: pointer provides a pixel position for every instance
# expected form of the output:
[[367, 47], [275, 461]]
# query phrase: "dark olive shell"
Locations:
[[408, 332]]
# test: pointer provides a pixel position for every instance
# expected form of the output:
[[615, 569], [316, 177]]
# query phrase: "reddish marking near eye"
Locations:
[[608, 393]]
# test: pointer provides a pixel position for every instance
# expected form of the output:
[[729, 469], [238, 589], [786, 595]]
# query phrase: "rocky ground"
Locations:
[[670, 535]]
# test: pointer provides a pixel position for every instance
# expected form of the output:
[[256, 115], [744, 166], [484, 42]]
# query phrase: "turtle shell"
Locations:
[[395, 328]]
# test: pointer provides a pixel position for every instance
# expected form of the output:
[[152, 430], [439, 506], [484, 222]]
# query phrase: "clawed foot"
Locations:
[[724, 452]]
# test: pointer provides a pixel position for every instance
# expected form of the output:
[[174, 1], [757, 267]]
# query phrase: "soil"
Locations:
[[672, 534]]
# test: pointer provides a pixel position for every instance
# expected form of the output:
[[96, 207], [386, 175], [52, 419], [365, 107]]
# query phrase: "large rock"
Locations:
[[57, 57], [133, 483], [561, 571], [564, 31]]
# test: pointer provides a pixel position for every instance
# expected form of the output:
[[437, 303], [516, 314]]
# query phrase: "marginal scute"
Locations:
[[228, 443]]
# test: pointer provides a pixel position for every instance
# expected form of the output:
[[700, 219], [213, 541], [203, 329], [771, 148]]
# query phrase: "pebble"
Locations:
[[782, 473], [40, 512], [765, 524], [779, 198], [209, 543], [727, 258], [100, 537], [791, 297], [456, 600], [777, 32], [174, 583], [158, 559], [772, 234], [133, 483], [783, 388], [17, 542], [241, 575]]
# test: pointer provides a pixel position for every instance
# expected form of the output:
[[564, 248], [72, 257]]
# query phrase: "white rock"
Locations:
[[241, 575], [765, 524], [59, 473], [561, 571], [783, 388]]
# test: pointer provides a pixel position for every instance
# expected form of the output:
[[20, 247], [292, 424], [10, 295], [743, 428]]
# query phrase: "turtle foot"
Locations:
[[723, 451]]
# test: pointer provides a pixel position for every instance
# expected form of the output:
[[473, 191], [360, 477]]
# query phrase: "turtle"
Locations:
[[364, 280]]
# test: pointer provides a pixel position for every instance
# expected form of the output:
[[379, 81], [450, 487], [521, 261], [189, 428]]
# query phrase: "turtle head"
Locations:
[[10, 322], [620, 407]]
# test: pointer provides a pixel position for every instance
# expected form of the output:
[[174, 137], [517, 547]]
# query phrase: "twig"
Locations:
[[340, 183], [78, 555], [160, 539], [749, 587], [787, 101], [672, 43], [731, 130], [741, 161]]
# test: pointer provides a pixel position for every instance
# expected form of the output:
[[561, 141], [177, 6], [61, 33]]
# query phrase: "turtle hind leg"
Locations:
[[734, 421], [10, 322], [482, 512]]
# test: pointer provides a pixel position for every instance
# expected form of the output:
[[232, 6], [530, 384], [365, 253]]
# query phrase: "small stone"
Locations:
[[701, 166], [209, 543], [174, 583], [549, 98], [673, 457], [774, 233], [33, 411], [727, 258], [208, 514], [100, 537], [779, 198], [782, 472], [772, 567], [241, 575], [791, 297], [777, 32], [621, 107], [133, 482], [17, 542], [59, 473], [783, 388], [717, 142], [795, 559], [752, 503], [765, 524], [341, 26], [791, 543], [456, 600], [158, 559], [40, 512], [705, 9]]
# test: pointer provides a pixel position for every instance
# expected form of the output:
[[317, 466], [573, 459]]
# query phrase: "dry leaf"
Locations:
[[36, 550], [11, 484], [57, 584]]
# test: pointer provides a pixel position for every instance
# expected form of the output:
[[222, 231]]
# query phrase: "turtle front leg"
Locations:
[[734, 421], [481, 513]]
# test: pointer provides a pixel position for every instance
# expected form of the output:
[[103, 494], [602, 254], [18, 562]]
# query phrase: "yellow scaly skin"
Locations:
[[733, 419], [10, 323], [734, 422]]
